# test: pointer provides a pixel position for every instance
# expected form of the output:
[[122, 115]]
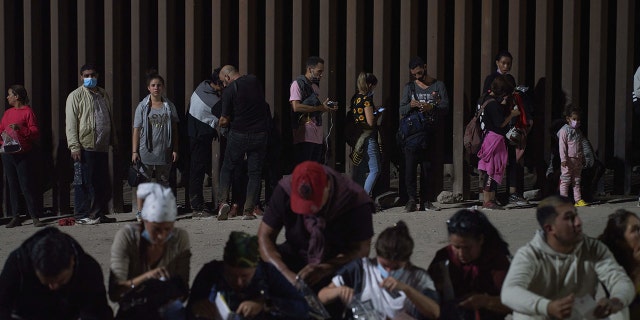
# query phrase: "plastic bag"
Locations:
[[316, 308], [11, 143], [363, 310]]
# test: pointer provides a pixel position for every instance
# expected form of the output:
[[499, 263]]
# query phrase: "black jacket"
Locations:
[[22, 294]]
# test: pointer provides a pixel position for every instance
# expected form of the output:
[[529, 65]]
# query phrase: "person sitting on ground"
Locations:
[[561, 267], [151, 249], [622, 237], [390, 282], [469, 272], [250, 287], [327, 220], [50, 277]]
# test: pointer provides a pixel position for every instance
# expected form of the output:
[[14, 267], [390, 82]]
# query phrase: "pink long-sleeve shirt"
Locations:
[[26, 119], [570, 143]]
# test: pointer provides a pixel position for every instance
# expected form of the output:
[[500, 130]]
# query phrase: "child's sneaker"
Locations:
[[581, 203]]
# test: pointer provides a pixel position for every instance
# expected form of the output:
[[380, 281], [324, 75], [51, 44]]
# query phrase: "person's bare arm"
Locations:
[[313, 273], [332, 292], [514, 113], [174, 137], [135, 145], [299, 107], [269, 252], [485, 301], [425, 305]]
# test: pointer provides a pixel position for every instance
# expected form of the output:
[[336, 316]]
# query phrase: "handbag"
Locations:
[[516, 136], [136, 175], [151, 299]]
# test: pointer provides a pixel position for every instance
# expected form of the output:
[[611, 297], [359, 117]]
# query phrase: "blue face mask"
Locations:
[[90, 82], [145, 234], [394, 273], [384, 273]]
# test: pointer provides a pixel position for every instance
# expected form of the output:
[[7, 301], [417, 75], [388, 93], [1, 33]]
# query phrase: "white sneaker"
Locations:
[[88, 221]]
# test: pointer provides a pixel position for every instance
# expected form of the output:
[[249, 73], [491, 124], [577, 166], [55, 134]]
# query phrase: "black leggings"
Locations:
[[489, 185]]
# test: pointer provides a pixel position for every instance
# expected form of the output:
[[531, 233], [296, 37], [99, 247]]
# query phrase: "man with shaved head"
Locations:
[[246, 114]]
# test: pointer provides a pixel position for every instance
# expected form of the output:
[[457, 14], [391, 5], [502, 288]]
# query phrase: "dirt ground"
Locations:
[[209, 236]]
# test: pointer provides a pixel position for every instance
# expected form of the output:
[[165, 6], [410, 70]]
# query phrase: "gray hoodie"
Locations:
[[539, 275]]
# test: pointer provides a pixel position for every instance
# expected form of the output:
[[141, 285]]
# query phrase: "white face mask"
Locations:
[[575, 124]]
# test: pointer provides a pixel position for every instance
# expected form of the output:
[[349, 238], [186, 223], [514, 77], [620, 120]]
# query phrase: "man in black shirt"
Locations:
[[248, 117], [50, 277]]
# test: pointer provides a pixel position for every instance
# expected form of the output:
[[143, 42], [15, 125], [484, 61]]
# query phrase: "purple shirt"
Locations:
[[351, 221]]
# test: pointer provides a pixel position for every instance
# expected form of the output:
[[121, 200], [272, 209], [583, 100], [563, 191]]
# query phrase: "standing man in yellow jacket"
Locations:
[[90, 132]]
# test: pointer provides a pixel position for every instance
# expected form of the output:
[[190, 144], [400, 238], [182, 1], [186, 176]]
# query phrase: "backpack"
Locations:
[[416, 126], [310, 98], [473, 134]]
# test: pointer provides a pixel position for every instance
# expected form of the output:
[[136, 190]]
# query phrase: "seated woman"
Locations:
[[249, 287], [622, 236], [152, 248], [469, 272], [389, 282]]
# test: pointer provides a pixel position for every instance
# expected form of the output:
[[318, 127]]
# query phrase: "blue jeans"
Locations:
[[371, 163], [91, 198], [19, 169], [254, 145]]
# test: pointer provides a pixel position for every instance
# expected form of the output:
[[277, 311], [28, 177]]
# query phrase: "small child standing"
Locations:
[[571, 155]]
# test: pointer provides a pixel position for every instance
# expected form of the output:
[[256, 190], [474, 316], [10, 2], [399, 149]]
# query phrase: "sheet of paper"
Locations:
[[223, 308]]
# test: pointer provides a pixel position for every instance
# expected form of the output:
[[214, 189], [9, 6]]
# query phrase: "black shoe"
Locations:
[[37, 223], [15, 222], [105, 219], [410, 206]]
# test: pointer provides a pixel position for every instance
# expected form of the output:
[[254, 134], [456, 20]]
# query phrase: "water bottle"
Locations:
[[77, 173]]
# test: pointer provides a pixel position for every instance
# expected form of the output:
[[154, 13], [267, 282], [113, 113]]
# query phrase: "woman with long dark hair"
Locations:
[[155, 133], [469, 272], [19, 123], [622, 237]]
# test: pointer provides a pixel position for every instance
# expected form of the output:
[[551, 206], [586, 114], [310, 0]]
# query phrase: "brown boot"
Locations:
[[37, 223], [15, 222]]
